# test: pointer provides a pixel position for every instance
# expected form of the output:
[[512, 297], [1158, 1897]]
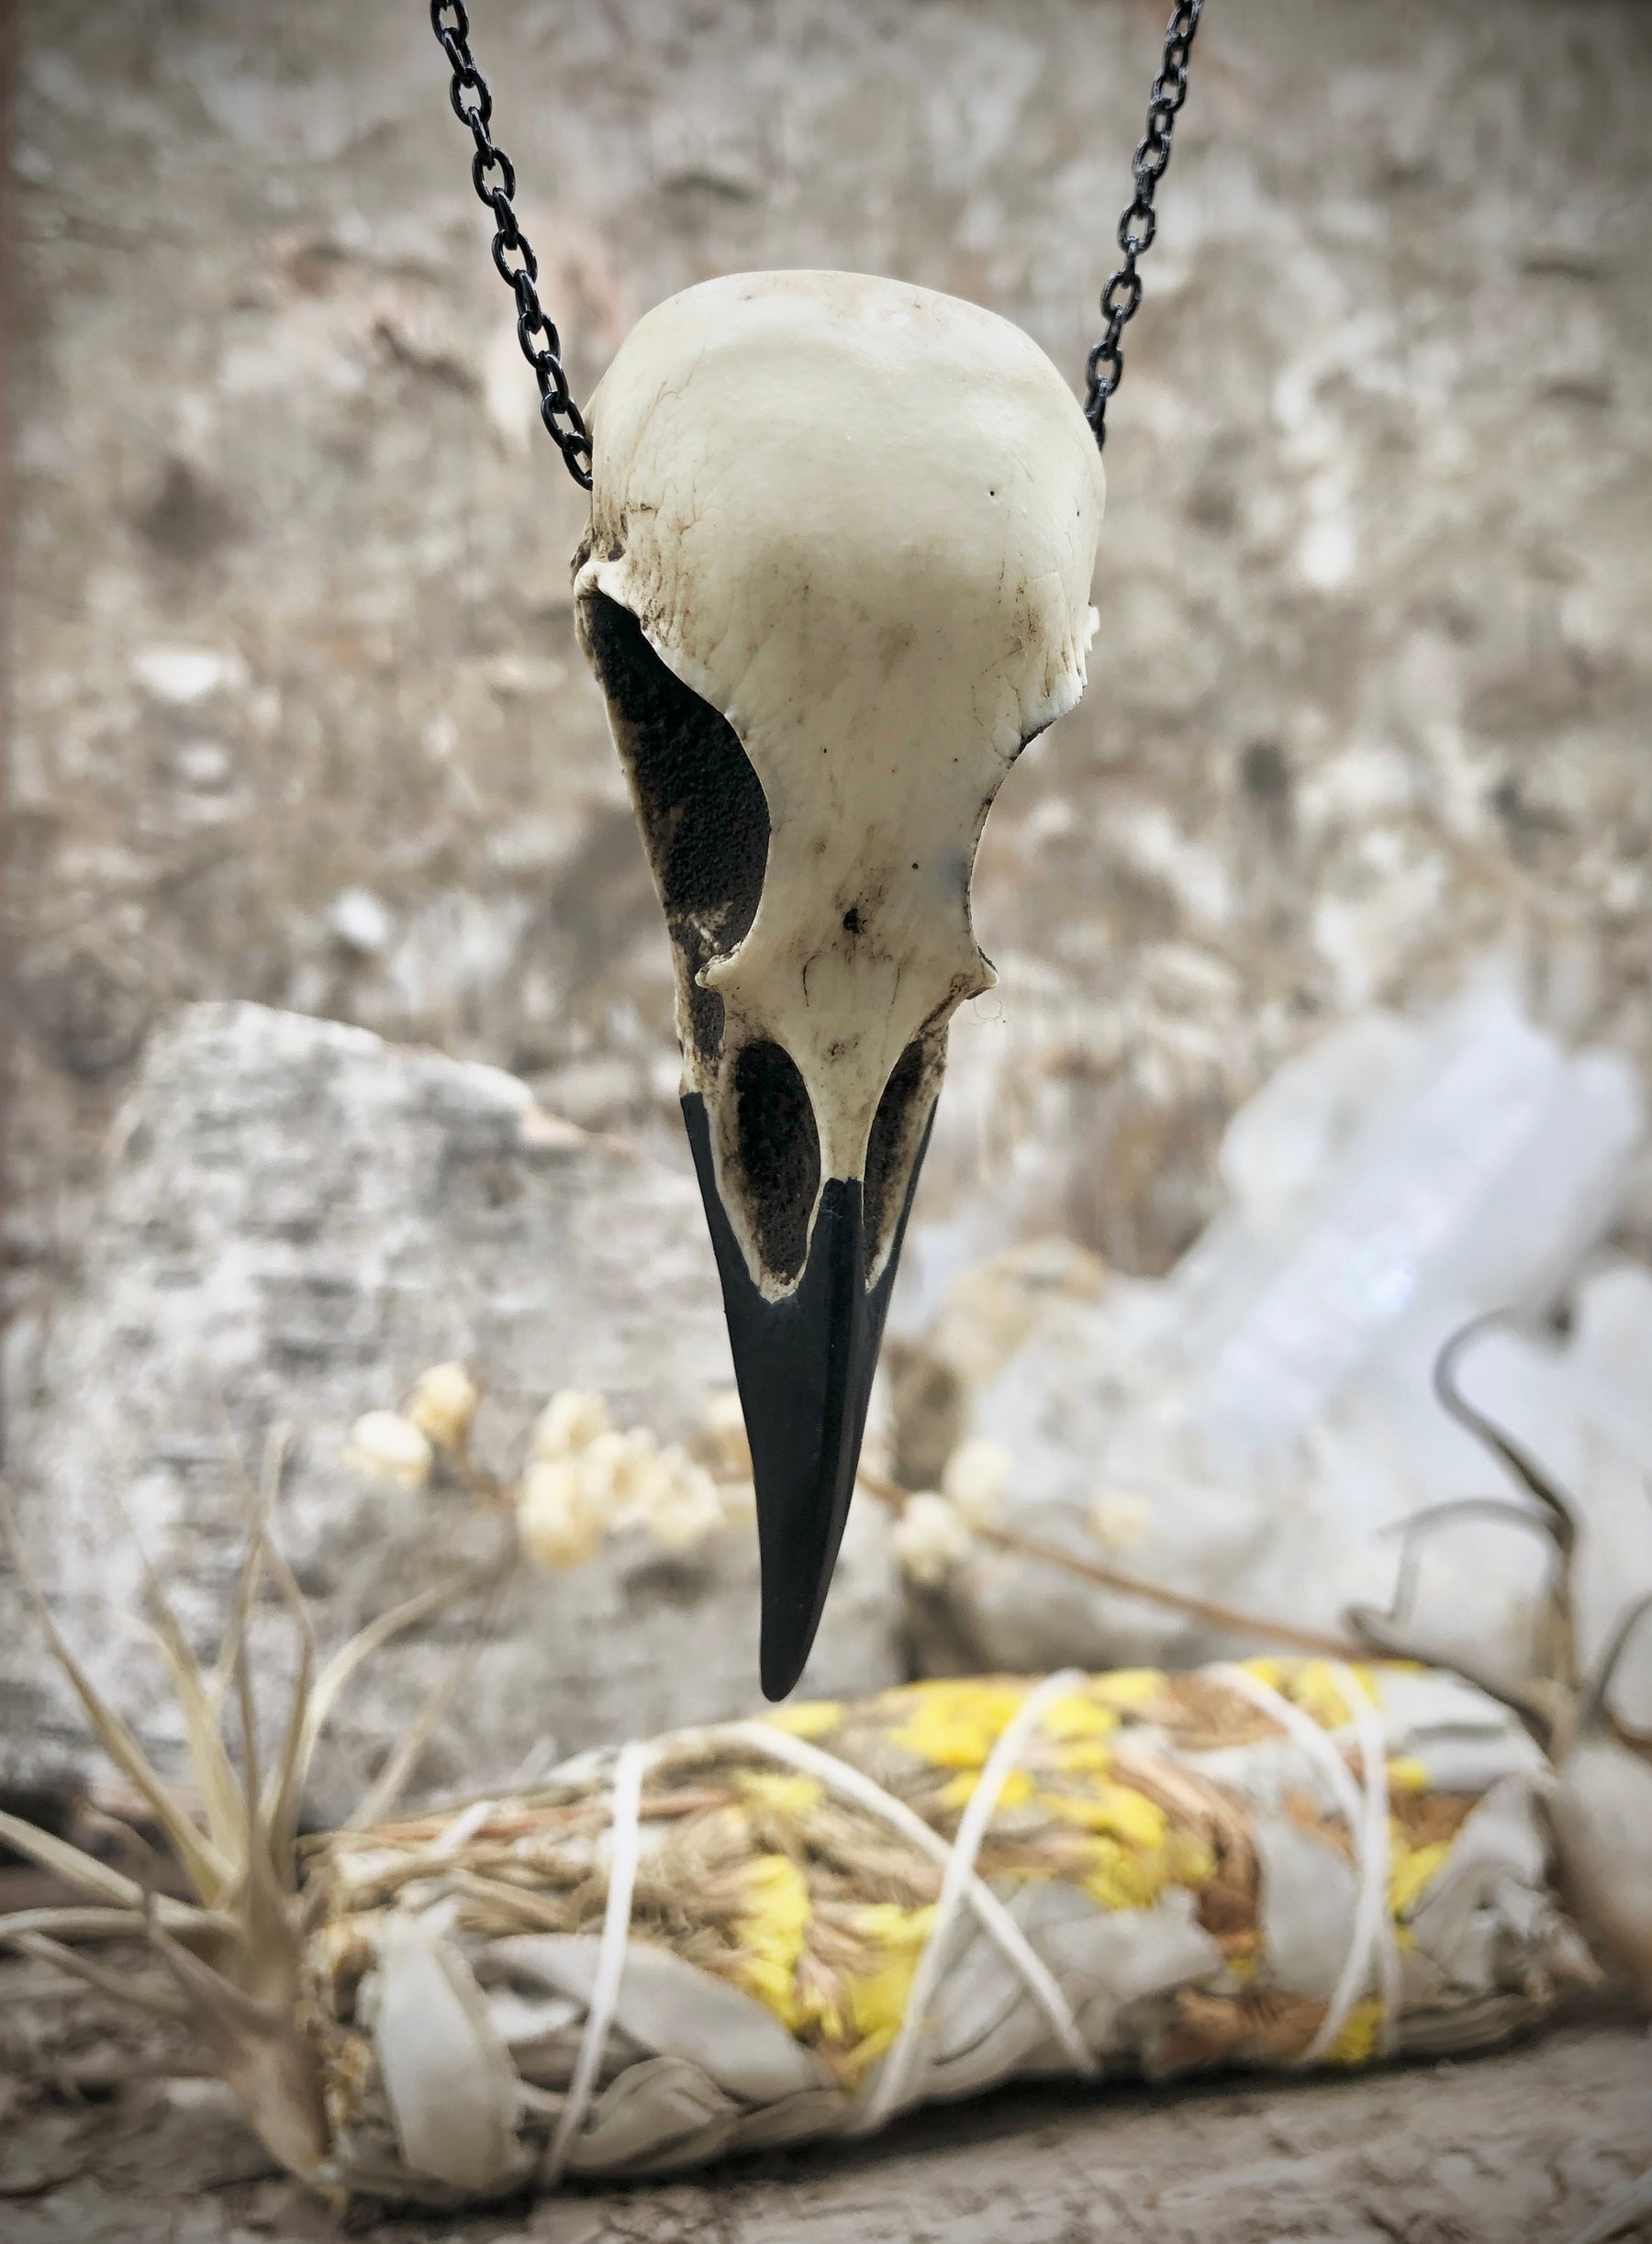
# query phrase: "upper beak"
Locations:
[[804, 1365]]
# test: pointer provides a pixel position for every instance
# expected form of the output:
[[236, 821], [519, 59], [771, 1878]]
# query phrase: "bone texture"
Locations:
[[838, 574]]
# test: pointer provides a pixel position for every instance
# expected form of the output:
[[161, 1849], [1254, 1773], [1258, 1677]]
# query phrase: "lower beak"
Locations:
[[804, 1366]]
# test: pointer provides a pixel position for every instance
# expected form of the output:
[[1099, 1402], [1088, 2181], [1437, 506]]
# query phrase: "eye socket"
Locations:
[[777, 1150], [701, 805]]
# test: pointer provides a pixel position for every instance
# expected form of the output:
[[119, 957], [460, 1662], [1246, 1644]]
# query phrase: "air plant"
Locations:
[[1598, 1792], [228, 1956]]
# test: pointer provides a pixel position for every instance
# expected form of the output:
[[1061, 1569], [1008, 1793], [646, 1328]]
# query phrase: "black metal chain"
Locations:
[[1123, 295], [494, 177]]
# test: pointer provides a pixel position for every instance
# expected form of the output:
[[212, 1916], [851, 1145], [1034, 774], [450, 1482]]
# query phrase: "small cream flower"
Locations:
[[568, 1422], [722, 1435], [976, 1474], [599, 1463], [444, 1404], [557, 1524], [738, 1499], [683, 1504], [931, 1537], [386, 1446], [1120, 1520]]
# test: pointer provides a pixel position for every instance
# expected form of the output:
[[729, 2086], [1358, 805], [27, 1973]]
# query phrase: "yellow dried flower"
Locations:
[[772, 1930], [781, 1790], [876, 2001], [1116, 1809], [1313, 1685], [1014, 1792], [957, 1724], [1126, 1687], [1356, 2044], [386, 1446], [809, 1718], [1083, 1756], [1080, 1715], [1121, 1879], [1411, 1870], [444, 1404]]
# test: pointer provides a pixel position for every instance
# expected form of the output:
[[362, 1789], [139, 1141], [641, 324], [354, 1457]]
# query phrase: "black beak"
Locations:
[[804, 1366]]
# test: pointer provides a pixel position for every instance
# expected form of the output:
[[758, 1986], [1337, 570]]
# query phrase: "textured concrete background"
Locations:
[[299, 715]]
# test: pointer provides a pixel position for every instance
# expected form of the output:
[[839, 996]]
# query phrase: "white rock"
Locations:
[[1263, 1413], [297, 1221], [360, 920], [182, 675]]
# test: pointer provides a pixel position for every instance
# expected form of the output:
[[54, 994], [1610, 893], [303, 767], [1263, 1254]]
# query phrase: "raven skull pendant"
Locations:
[[837, 576]]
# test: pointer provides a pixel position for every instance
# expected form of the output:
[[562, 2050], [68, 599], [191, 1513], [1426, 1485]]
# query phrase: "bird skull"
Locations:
[[837, 576]]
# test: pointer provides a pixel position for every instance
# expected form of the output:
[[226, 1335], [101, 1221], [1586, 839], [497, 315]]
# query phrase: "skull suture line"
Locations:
[[837, 577]]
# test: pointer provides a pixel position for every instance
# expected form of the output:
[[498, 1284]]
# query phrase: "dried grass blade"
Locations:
[[386, 1788], [282, 1794], [344, 1663], [1379, 1632], [79, 1869], [119, 1984], [1598, 1690], [270, 1937], [199, 1859], [73, 1921], [214, 1772], [217, 2006]]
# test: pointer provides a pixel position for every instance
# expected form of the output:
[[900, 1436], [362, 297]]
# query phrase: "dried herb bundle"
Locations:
[[793, 1927], [1178, 1863]]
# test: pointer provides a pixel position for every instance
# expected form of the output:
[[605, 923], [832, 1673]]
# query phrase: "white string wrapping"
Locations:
[[1615, 2221], [956, 1882], [625, 1849], [1365, 1810], [464, 1827], [995, 1920]]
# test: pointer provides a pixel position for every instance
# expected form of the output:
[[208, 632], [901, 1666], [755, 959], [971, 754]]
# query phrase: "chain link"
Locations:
[[1123, 295], [494, 177]]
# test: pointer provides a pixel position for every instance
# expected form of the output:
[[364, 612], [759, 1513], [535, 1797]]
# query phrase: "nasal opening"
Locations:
[[776, 1156], [896, 1141]]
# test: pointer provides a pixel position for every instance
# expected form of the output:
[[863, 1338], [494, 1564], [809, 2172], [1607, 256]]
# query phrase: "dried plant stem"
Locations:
[[1197, 1608], [1133, 1585]]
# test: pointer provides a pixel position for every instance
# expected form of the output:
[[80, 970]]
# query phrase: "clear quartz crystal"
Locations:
[[1267, 1407]]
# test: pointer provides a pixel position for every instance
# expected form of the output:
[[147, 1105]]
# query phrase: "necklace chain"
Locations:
[[494, 177], [1122, 298]]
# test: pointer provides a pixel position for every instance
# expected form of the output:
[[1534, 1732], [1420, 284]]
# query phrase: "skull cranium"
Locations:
[[837, 577]]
